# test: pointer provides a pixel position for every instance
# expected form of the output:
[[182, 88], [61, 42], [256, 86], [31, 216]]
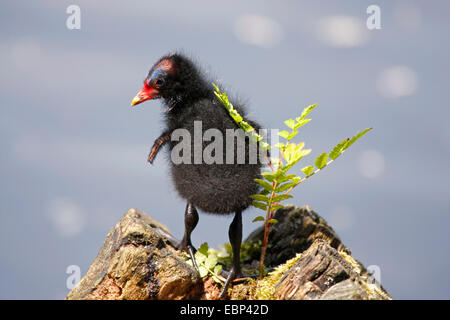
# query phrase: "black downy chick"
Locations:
[[222, 187]]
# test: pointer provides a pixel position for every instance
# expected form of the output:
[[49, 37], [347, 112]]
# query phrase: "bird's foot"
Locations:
[[170, 238], [189, 248], [239, 278], [233, 276], [180, 245]]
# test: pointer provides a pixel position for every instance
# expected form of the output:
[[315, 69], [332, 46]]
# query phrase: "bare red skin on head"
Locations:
[[150, 92], [166, 64]]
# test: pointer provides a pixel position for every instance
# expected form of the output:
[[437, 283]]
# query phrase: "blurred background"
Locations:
[[73, 151]]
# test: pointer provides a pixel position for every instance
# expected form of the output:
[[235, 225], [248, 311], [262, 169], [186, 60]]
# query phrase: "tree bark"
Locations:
[[137, 262]]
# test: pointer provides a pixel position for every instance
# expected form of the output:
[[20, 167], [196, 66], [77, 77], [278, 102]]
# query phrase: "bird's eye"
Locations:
[[159, 82]]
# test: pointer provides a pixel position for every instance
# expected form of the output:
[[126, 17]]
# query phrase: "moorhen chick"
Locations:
[[221, 187]]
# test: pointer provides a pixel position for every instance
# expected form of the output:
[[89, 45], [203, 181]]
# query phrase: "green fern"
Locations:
[[278, 183]]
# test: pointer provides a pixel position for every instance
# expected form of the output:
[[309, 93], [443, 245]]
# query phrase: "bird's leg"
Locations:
[[163, 138], [190, 222], [235, 235]]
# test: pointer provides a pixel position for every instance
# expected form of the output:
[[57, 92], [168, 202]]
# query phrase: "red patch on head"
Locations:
[[165, 64]]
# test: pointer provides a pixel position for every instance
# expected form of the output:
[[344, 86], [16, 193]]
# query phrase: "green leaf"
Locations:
[[245, 126], [269, 175], [279, 145], [308, 170], [301, 122], [254, 138], [283, 134], [217, 269], [273, 221], [264, 145], [281, 197], [296, 158], [285, 187], [290, 123], [293, 151], [203, 249], [306, 111], [321, 161], [211, 261], [264, 184], [276, 207], [248, 128], [338, 149], [259, 218], [292, 135], [356, 137], [203, 271], [236, 116], [260, 197], [295, 179], [224, 250], [259, 205], [199, 257], [278, 174], [286, 177]]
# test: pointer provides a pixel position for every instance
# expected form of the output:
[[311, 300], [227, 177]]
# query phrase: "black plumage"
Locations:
[[219, 188]]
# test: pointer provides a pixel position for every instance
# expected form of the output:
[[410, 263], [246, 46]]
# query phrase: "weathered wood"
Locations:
[[324, 273], [296, 230], [136, 262]]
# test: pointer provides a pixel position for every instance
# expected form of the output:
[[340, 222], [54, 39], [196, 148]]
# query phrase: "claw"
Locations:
[[235, 278], [239, 278], [179, 245], [191, 250], [172, 241], [232, 275]]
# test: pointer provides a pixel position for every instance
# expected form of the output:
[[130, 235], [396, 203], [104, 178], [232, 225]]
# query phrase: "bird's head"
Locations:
[[174, 78]]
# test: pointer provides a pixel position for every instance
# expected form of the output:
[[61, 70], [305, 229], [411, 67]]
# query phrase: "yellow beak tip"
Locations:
[[135, 101]]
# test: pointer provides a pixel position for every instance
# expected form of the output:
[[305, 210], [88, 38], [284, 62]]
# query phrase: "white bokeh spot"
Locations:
[[342, 31], [397, 81], [371, 164], [66, 217], [258, 30]]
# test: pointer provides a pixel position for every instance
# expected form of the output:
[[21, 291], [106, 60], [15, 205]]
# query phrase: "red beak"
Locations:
[[144, 95]]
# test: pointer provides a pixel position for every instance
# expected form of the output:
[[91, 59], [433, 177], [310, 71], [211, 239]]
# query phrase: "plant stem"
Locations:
[[269, 215], [266, 231]]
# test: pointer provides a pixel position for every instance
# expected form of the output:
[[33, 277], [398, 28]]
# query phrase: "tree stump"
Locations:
[[137, 262]]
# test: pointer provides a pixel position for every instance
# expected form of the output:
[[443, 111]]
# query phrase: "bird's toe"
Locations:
[[189, 249], [171, 239], [231, 276]]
